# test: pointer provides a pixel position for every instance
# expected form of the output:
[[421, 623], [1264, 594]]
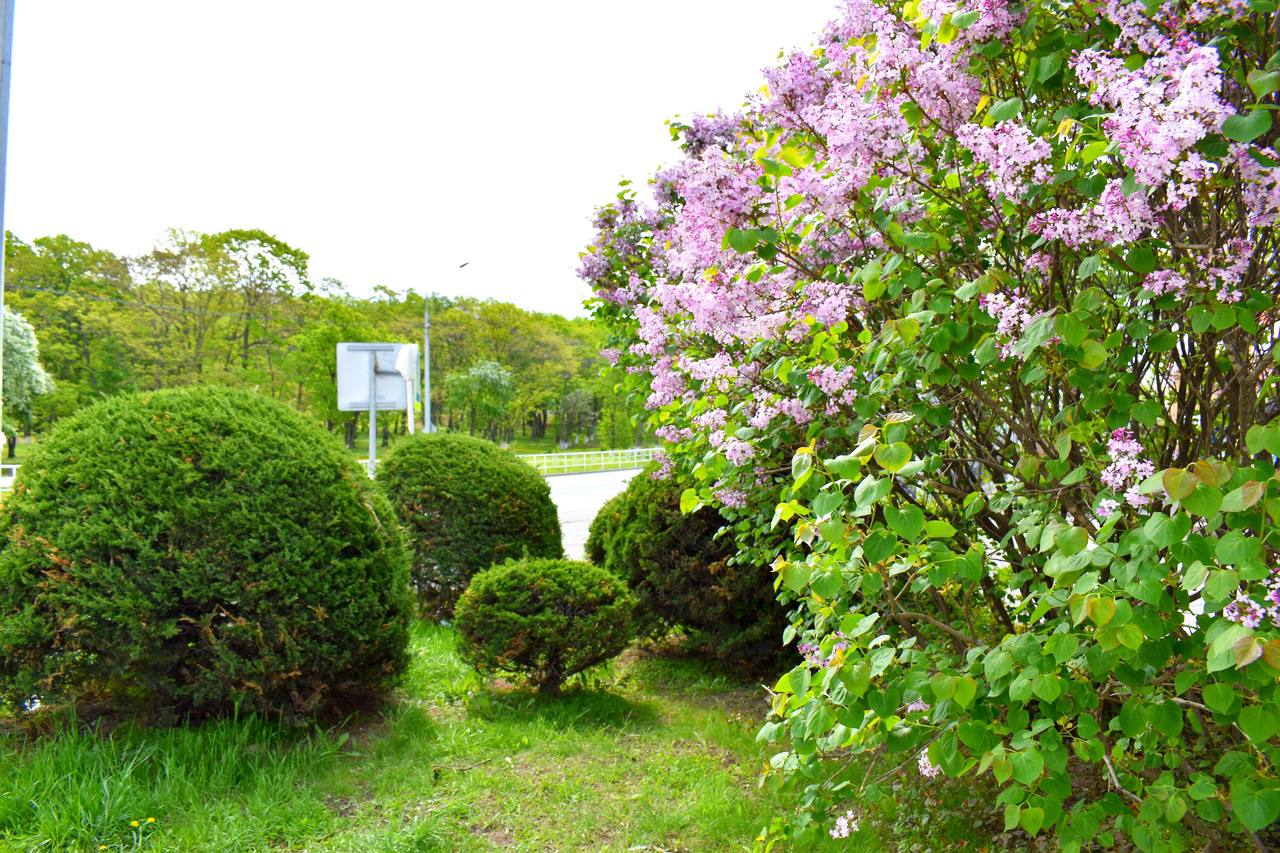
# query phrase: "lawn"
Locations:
[[450, 767], [651, 754]]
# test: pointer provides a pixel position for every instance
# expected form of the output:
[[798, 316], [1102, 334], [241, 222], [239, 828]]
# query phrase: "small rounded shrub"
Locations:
[[184, 552], [606, 520], [545, 619], [684, 576], [466, 504]]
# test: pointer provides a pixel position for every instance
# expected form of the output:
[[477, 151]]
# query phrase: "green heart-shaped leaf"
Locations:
[[892, 457], [1247, 127]]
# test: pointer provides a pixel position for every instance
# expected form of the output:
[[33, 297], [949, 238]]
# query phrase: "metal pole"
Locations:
[[426, 365], [373, 412], [6, 69]]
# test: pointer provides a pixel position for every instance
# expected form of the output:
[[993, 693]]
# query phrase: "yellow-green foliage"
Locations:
[[184, 551]]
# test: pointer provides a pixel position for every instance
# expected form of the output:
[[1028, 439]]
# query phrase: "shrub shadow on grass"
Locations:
[[576, 708]]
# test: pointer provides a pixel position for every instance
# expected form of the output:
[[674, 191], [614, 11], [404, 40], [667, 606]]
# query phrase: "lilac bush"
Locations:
[[967, 324]]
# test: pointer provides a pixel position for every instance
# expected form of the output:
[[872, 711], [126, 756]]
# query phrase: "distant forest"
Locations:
[[239, 308]]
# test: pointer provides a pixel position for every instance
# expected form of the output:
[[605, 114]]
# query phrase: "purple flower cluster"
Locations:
[[844, 825], [710, 131], [1010, 153], [1009, 310], [731, 498], [1115, 218], [830, 379], [1225, 272], [1249, 612], [1159, 111], [1126, 471], [812, 653], [1261, 185], [928, 769]]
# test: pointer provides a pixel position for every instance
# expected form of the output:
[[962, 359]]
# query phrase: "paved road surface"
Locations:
[[578, 497]]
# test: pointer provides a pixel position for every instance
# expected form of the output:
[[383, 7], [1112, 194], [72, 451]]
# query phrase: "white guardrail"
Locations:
[[581, 462], [546, 464]]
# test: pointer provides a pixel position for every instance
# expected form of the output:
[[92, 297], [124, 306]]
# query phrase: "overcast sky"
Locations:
[[392, 140]]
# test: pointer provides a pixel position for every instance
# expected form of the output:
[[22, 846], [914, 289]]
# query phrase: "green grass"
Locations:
[[451, 767], [21, 452], [648, 754]]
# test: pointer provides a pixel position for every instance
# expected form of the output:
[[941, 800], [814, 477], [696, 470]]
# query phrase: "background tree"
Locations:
[[485, 393], [78, 298], [24, 377]]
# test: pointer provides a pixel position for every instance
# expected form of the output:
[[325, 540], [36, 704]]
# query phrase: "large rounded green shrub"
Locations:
[[545, 619], [684, 575], [466, 504], [188, 551]]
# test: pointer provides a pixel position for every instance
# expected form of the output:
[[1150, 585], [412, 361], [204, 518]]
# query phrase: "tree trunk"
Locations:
[[353, 426]]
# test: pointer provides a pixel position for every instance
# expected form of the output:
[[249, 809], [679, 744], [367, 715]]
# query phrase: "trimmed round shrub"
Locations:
[[544, 619], [606, 520], [685, 576], [186, 552], [466, 504]]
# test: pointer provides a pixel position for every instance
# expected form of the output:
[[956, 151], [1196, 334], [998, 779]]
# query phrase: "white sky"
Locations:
[[392, 140]]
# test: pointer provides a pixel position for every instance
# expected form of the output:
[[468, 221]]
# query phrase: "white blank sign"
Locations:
[[394, 368]]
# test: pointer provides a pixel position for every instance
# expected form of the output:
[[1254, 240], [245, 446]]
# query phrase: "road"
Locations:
[[578, 497]]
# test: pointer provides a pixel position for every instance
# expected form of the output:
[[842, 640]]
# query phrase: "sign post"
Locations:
[[373, 377]]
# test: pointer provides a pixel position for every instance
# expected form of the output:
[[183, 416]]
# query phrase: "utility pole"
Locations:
[[426, 365], [6, 70]]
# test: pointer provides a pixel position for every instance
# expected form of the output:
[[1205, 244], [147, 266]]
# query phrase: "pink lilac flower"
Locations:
[[1160, 110], [732, 498], [928, 769], [714, 131], [1164, 281], [1229, 274], [1249, 612], [1041, 262], [918, 705], [811, 653], [1009, 310], [718, 366], [1008, 150], [994, 21], [762, 414], [844, 825], [1261, 185], [831, 380], [1115, 219], [665, 467], [1147, 26], [1108, 507], [738, 451], [828, 302], [666, 385], [1127, 470], [673, 434], [714, 419], [796, 409], [1245, 610]]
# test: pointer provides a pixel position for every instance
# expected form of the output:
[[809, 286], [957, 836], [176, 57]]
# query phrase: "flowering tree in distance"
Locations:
[[968, 324]]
